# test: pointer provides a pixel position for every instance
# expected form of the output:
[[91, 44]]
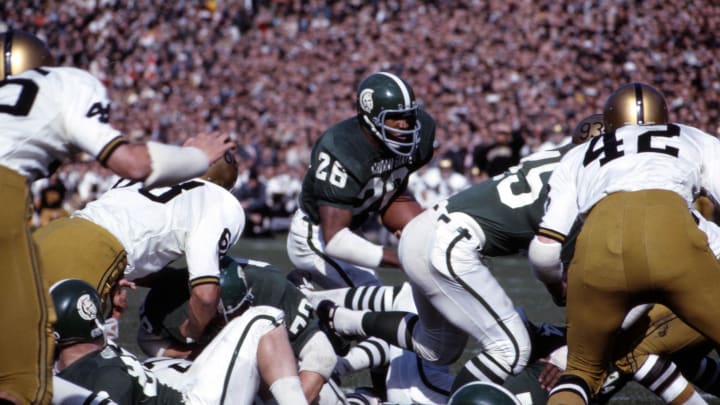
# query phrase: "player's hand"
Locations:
[[549, 375], [214, 144], [119, 301], [558, 291]]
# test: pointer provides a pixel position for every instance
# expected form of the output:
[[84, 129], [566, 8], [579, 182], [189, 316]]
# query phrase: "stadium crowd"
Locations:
[[274, 74]]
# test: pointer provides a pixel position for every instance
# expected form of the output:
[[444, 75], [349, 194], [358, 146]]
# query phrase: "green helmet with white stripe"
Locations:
[[384, 96]]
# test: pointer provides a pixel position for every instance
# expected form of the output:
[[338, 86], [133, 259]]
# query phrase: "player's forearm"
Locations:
[[390, 259], [202, 308]]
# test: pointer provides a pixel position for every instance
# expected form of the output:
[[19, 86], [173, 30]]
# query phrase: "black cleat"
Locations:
[[326, 312], [301, 279]]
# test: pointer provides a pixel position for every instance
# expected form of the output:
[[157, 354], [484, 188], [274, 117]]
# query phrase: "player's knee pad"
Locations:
[[317, 355]]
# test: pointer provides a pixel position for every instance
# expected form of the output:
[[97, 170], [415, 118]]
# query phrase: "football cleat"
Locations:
[[326, 312], [301, 279]]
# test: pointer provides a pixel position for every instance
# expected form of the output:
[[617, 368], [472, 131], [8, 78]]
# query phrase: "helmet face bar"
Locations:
[[634, 104], [22, 51], [384, 96]]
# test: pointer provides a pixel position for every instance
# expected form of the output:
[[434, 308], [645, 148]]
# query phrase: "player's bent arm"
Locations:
[[158, 164], [544, 256], [546, 265], [344, 244], [202, 308]]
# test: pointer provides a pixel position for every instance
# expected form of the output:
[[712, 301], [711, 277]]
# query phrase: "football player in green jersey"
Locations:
[[243, 283], [456, 295], [359, 167], [253, 346]]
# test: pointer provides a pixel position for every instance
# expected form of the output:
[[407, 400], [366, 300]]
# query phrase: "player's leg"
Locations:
[[60, 244], [596, 282], [253, 347], [306, 248], [648, 362], [278, 367], [468, 296], [316, 362], [26, 346]]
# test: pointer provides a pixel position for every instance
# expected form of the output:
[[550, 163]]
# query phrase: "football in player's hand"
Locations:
[[400, 211]]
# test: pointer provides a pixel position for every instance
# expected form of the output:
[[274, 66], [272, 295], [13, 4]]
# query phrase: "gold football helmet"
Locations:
[[590, 126], [223, 172], [634, 104], [22, 51]]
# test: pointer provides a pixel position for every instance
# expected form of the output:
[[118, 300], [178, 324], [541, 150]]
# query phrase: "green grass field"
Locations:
[[512, 272]]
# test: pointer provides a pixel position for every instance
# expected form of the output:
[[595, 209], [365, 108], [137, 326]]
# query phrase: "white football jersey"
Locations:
[[226, 372], [670, 157], [197, 218], [48, 114]]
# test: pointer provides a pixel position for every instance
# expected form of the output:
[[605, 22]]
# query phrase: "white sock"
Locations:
[[349, 322], [288, 391]]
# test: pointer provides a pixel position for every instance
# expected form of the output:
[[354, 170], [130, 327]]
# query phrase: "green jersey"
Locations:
[[509, 206], [120, 374], [165, 306], [348, 170]]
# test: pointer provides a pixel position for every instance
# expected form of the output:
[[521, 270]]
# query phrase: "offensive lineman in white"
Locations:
[[639, 243], [133, 232], [46, 115]]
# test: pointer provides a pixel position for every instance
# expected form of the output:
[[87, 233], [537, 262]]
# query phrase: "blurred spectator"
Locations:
[[253, 198], [437, 183], [50, 205], [501, 153], [275, 73]]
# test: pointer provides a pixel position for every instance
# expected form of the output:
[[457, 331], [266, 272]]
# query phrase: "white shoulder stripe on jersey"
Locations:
[[402, 86]]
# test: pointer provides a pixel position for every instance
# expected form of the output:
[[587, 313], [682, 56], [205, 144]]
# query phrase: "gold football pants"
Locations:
[[78, 248], [636, 247], [26, 343], [662, 333]]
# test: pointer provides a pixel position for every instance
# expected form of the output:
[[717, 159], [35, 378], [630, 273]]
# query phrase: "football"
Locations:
[[400, 211]]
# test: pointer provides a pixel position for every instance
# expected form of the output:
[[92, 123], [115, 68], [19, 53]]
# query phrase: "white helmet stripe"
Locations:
[[403, 88]]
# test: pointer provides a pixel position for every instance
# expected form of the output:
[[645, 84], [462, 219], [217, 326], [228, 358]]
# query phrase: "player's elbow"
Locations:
[[544, 257], [206, 296], [130, 161]]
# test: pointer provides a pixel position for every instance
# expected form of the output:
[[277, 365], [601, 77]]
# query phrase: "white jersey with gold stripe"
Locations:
[[47, 114], [197, 219], [672, 157]]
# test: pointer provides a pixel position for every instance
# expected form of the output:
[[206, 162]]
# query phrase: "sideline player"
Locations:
[[360, 167], [252, 347], [243, 283], [133, 232], [46, 115], [639, 242]]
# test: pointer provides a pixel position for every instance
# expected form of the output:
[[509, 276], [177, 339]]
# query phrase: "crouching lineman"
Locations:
[[251, 347], [243, 283]]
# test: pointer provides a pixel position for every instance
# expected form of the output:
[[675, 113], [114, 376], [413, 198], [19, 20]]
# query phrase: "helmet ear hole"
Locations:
[[21, 51]]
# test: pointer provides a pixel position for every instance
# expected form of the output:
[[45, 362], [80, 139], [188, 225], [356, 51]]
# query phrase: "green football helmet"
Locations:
[[22, 51], [482, 393], [634, 104], [235, 296], [79, 317], [382, 96]]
